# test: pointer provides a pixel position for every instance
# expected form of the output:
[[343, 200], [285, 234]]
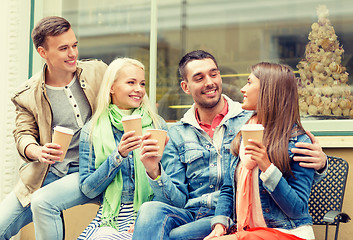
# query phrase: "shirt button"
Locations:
[[211, 186], [78, 115], [118, 160], [207, 146], [70, 96], [66, 87], [212, 165], [267, 210]]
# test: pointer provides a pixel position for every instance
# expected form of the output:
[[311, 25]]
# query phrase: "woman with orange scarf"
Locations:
[[271, 190]]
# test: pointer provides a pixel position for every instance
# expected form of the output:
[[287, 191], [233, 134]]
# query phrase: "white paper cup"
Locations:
[[132, 123], [160, 136], [62, 136], [252, 131]]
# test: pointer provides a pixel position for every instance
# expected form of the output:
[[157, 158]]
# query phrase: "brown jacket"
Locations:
[[34, 121]]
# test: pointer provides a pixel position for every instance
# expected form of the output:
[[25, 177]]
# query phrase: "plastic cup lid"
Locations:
[[130, 117], [252, 127], [64, 130]]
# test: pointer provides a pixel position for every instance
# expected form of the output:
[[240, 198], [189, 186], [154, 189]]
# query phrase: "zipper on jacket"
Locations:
[[51, 121], [219, 156]]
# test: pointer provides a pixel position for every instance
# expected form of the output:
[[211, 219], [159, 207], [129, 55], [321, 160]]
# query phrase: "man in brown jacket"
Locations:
[[62, 94]]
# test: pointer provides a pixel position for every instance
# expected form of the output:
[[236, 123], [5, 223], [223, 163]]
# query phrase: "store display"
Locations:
[[323, 88]]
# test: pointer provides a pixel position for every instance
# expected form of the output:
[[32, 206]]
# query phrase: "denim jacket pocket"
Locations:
[[196, 160], [226, 149]]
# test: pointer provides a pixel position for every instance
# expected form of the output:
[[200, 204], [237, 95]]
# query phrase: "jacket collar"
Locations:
[[79, 71], [234, 108]]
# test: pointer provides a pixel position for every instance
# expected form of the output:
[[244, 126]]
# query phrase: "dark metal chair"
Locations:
[[326, 198], [63, 221]]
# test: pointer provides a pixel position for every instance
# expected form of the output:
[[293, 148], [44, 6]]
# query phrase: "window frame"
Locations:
[[320, 128]]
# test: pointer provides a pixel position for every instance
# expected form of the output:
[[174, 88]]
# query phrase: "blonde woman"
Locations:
[[109, 157]]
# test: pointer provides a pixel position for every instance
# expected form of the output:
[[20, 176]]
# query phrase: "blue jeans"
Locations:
[[57, 194], [157, 220]]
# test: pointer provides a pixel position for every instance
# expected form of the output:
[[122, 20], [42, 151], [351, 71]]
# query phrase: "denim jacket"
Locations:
[[94, 181], [284, 200], [194, 164]]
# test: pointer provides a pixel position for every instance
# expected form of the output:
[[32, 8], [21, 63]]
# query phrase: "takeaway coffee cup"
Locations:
[[160, 136], [62, 136], [132, 123], [252, 131]]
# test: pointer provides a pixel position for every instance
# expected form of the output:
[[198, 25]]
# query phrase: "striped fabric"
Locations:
[[93, 231]]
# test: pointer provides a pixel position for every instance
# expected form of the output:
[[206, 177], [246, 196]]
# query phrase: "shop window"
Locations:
[[239, 34]]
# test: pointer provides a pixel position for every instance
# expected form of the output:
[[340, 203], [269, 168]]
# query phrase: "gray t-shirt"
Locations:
[[70, 109]]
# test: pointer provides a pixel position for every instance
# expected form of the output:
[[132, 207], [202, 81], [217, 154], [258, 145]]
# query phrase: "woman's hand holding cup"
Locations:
[[152, 147], [129, 142]]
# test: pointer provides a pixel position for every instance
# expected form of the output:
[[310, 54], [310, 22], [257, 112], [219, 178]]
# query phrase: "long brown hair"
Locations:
[[277, 110]]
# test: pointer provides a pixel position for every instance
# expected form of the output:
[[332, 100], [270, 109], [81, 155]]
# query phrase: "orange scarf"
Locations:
[[248, 204]]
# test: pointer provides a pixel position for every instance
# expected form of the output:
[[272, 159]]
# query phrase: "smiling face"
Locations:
[[60, 52], [129, 87], [251, 93], [203, 82]]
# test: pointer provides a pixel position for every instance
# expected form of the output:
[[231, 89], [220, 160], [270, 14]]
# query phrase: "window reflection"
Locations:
[[323, 87], [108, 29], [237, 33]]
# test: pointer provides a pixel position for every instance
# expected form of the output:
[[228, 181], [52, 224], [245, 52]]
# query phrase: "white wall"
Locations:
[[14, 42]]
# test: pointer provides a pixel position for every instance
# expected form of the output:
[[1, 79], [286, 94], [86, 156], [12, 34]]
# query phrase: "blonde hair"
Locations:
[[109, 78]]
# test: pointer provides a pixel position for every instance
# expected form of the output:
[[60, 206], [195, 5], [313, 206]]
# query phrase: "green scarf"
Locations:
[[104, 144]]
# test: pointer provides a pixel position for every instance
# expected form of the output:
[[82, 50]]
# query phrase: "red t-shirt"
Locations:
[[209, 129]]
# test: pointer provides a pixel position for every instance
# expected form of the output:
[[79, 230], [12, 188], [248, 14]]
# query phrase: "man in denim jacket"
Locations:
[[186, 184]]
